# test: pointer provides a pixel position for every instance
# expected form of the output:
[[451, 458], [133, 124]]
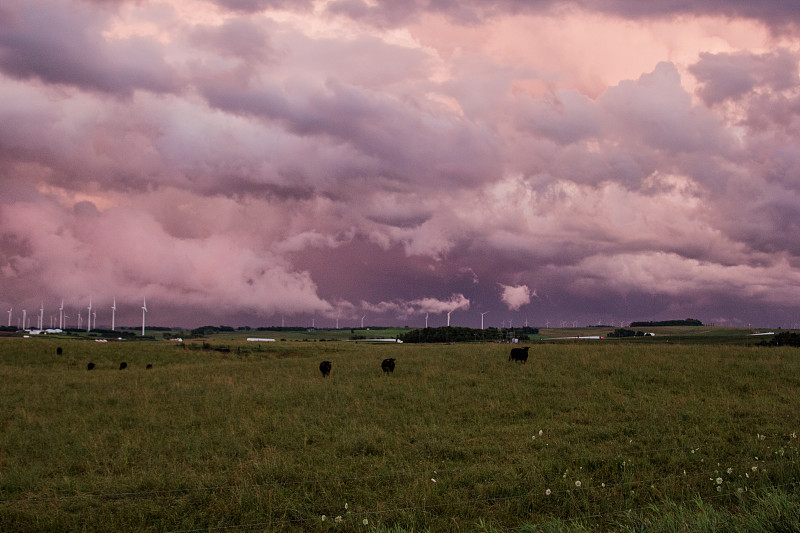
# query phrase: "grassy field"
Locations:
[[637, 436]]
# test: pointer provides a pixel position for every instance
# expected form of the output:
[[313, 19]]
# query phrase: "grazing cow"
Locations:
[[325, 368], [90, 366], [123, 365], [388, 365], [149, 366], [519, 354], [59, 351]]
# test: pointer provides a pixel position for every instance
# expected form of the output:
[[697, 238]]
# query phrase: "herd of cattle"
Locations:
[[520, 355]]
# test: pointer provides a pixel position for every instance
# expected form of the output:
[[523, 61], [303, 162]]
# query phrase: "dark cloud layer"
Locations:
[[61, 44], [779, 14]]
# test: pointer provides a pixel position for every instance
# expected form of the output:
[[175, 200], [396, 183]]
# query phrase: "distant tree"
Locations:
[[786, 338], [459, 334], [685, 322]]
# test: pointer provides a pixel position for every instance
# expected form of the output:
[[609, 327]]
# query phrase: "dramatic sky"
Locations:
[[244, 162]]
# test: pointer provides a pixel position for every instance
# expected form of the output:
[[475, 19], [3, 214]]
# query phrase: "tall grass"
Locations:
[[596, 436]]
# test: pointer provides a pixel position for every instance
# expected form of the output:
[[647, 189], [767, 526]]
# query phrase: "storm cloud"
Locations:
[[254, 162]]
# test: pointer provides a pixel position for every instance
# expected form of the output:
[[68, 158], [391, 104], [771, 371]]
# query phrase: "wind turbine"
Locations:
[[24, 314], [41, 317], [9, 315], [89, 317], [144, 310], [79, 320], [61, 315], [113, 312], [362, 320], [485, 312], [448, 319]]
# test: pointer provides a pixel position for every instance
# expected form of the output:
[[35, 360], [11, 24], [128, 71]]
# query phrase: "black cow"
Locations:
[[388, 365], [149, 367], [90, 366], [123, 365], [59, 351], [325, 368], [519, 354]]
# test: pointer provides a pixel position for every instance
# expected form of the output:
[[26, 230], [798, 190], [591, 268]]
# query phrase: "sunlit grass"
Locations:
[[622, 435]]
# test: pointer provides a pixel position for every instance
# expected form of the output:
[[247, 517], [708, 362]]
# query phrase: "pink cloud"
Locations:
[[515, 296]]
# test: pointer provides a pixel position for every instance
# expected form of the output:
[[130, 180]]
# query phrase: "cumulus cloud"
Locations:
[[421, 306], [515, 296], [729, 76]]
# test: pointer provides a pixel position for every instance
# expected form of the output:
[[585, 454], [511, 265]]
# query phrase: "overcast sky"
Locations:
[[244, 162]]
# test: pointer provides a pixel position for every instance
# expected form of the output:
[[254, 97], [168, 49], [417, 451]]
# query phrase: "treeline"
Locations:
[[786, 338], [621, 333], [685, 322], [459, 334]]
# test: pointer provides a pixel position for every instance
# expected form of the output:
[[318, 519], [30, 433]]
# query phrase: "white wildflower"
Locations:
[[541, 432], [719, 481], [338, 519], [365, 522], [548, 492], [729, 470], [324, 518], [578, 483]]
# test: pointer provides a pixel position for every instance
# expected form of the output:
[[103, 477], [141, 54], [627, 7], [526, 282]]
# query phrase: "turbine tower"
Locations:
[[484, 313], [89, 317], [113, 312], [426, 320], [362, 320], [144, 310], [24, 314], [61, 315], [9, 315], [41, 317], [448, 319]]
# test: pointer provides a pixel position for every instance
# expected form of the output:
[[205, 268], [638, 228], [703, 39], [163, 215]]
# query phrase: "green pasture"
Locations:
[[228, 435]]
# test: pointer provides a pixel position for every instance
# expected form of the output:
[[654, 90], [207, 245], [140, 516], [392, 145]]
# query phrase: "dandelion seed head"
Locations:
[[578, 483]]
